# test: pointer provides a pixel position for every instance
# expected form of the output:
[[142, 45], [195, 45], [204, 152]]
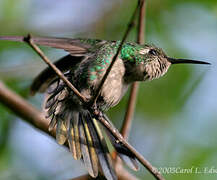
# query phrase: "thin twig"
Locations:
[[28, 40], [135, 86], [130, 25]]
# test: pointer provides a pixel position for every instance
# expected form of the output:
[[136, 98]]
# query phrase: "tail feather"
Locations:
[[61, 132], [102, 151], [52, 123], [71, 140], [87, 157], [76, 137], [71, 134], [92, 150], [52, 109]]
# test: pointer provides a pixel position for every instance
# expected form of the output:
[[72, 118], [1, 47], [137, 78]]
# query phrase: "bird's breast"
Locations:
[[114, 87]]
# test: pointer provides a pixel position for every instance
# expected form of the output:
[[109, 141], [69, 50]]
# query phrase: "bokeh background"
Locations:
[[175, 122]]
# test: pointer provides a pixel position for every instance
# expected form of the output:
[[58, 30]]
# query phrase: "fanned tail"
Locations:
[[82, 132]]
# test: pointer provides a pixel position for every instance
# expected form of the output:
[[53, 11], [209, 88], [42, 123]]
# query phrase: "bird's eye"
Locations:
[[153, 52]]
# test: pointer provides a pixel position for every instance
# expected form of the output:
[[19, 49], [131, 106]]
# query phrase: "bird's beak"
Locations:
[[185, 61]]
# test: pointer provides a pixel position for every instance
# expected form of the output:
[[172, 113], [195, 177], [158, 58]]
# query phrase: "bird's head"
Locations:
[[148, 62]]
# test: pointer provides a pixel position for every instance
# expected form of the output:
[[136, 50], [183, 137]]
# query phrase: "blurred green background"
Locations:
[[175, 121]]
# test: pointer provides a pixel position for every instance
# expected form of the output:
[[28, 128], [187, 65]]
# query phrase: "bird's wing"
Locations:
[[76, 47], [79, 49]]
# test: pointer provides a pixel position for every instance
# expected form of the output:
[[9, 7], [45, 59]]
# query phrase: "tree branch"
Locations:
[[23, 109]]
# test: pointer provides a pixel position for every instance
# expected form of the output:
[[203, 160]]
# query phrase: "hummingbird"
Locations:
[[84, 67]]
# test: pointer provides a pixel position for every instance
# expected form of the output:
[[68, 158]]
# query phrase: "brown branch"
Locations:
[[134, 88], [130, 25], [28, 40], [23, 109]]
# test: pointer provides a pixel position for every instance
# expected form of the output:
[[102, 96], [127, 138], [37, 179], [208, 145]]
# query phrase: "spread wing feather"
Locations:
[[74, 46]]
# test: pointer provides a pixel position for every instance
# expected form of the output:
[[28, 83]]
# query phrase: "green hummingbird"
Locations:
[[85, 67]]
